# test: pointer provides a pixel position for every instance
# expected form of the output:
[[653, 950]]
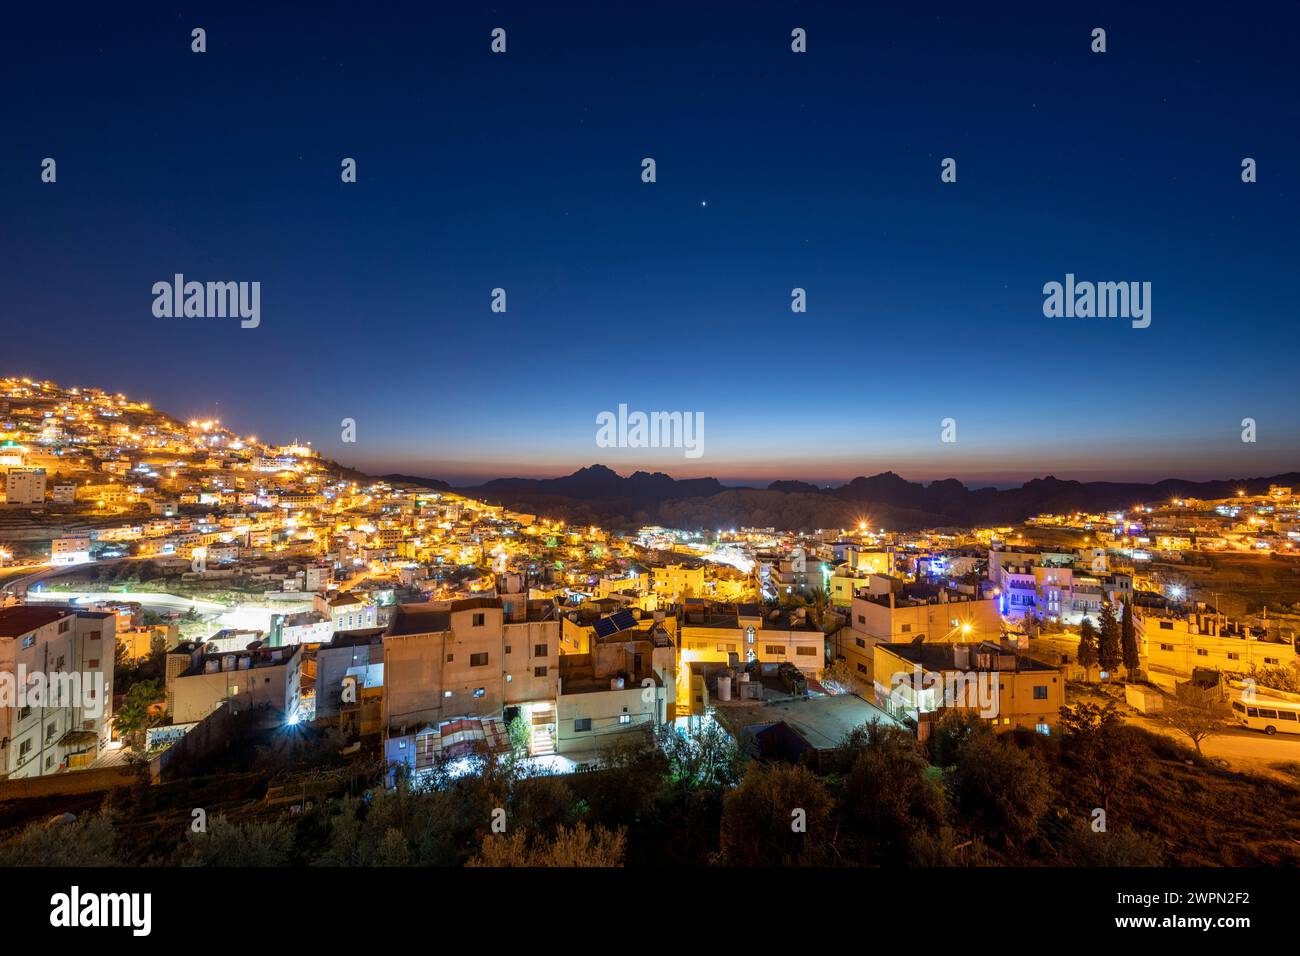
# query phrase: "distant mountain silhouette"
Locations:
[[600, 494]]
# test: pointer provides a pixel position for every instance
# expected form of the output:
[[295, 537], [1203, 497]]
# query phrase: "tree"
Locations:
[[86, 841], [777, 816], [1001, 790], [1087, 646], [240, 844], [569, 848], [1108, 649], [890, 794], [1128, 640], [133, 718], [706, 757], [1098, 747], [1195, 723]]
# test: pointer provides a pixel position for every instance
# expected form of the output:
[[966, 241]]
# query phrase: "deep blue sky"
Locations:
[[523, 171]]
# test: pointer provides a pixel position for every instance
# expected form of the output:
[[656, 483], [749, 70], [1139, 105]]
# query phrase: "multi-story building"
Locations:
[[751, 632], [1173, 642], [346, 612], [626, 683], [56, 671], [70, 549], [464, 658], [893, 611], [675, 582], [267, 677], [25, 486], [921, 681]]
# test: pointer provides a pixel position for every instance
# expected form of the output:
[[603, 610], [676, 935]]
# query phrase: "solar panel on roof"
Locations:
[[613, 623]]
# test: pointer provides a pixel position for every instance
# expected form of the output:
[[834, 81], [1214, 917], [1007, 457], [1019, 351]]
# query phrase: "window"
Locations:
[[860, 642], [478, 660], [446, 693], [510, 678], [65, 626], [862, 619], [862, 668], [1286, 715], [1202, 652], [93, 663], [1043, 729], [29, 640], [906, 629], [1040, 692], [806, 651], [582, 725], [1234, 657], [625, 718], [540, 650], [1166, 647], [450, 658], [1166, 625], [509, 649], [24, 749], [479, 692], [25, 713], [749, 635], [774, 650], [93, 636], [540, 671], [1266, 712]]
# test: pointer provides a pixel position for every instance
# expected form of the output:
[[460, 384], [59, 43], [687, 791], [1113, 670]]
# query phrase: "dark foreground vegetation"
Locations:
[[1103, 793]]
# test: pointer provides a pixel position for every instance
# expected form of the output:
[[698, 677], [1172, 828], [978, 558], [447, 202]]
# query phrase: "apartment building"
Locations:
[[465, 658], [920, 681], [359, 657], [56, 687], [70, 549], [25, 486], [1175, 641], [625, 683], [346, 612], [895, 611], [709, 631], [797, 574], [264, 677], [675, 582]]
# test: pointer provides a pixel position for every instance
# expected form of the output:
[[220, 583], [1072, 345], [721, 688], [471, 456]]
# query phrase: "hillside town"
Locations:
[[192, 589]]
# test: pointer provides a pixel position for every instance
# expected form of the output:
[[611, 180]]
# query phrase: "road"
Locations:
[[1242, 749]]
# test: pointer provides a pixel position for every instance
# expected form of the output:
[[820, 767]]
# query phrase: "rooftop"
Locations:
[[18, 620], [984, 656]]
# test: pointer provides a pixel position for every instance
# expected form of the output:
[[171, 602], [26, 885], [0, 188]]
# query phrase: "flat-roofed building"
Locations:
[[920, 681], [56, 686]]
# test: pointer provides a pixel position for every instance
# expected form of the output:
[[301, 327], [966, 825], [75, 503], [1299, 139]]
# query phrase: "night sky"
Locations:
[[775, 170]]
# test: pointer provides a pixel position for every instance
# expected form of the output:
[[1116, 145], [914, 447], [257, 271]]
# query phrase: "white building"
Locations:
[[70, 549], [56, 688]]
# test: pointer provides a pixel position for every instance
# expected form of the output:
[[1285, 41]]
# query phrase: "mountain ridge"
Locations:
[[598, 493]]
